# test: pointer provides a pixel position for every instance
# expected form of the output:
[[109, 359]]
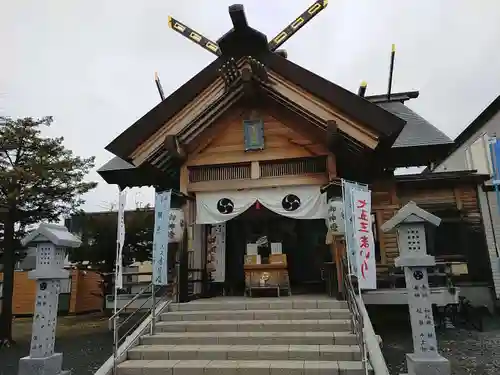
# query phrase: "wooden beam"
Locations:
[[458, 198], [174, 148], [184, 180], [181, 119], [238, 156], [394, 193], [333, 137], [323, 110], [311, 179], [208, 118], [381, 240], [294, 121], [255, 170], [204, 140], [344, 141], [184, 117]]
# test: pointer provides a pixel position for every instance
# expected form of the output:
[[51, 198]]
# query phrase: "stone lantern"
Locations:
[[51, 242], [409, 222]]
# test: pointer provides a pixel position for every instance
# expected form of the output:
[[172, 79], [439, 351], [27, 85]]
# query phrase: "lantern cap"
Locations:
[[410, 213], [52, 233]]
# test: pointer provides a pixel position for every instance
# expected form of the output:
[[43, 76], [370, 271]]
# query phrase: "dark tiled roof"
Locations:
[[115, 164], [417, 131]]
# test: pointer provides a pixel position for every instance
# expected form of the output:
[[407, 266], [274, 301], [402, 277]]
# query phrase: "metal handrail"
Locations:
[[151, 311], [357, 320], [141, 292]]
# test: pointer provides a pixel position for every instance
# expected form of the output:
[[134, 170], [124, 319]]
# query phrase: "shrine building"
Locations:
[[254, 145]]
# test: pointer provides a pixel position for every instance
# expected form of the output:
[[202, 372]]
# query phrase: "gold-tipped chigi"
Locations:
[[393, 48], [298, 23], [363, 84], [193, 35], [238, 12]]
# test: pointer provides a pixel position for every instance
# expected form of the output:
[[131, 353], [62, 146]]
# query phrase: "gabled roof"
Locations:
[[115, 164], [486, 115], [417, 131], [410, 213], [347, 102], [147, 125], [120, 172], [420, 142]]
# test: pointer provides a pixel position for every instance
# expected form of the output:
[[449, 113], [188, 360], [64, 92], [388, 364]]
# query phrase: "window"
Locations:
[[450, 237], [478, 157]]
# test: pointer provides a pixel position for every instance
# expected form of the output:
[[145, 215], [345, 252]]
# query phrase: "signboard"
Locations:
[[219, 231], [335, 218], [161, 237], [347, 190], [253, 134], [495, 167], [122, 200], [421, 318], [364, 243]]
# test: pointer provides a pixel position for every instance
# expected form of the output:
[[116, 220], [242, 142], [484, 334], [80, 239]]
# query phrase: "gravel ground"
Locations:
[[470, 352], [84, 340]]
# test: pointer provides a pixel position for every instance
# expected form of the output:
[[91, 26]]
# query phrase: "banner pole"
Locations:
[[117, 266], [345, 225]]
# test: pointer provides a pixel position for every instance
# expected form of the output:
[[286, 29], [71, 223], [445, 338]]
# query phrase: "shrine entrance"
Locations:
[[302, 242]]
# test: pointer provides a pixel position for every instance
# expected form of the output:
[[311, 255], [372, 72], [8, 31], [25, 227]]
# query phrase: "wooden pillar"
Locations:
[[181, 257], [339, 247], [331, 166]]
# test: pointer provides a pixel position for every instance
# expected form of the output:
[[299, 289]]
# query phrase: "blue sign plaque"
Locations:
[[254, 134]]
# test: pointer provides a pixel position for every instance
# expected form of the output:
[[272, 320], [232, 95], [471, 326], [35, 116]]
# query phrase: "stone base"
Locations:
[[42, 366], [423, 365]]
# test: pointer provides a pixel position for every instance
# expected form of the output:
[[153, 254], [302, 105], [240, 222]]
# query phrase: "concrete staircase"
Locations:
[[265, 336]]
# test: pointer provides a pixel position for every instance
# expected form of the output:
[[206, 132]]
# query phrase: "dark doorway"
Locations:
[[303, 243]]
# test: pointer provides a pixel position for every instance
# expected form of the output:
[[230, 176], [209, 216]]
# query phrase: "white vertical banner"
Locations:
[[160, 237], [347, 190], [363, 234], [120, 239]]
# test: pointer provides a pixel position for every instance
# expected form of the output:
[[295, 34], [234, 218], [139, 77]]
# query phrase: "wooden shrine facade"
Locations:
[[254, 119]]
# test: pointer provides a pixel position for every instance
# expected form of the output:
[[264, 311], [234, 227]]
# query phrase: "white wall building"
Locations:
[[471, 152]]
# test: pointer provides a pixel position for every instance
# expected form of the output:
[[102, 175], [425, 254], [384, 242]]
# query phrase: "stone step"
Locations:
[[256, 326], [250, 338], [293, 314], [228, 367], [247, 352], [284, 303]]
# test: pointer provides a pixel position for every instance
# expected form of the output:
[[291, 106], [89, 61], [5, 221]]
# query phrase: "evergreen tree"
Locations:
[[40, 180]]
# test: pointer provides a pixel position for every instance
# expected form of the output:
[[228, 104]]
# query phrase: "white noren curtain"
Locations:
[[297, 202]]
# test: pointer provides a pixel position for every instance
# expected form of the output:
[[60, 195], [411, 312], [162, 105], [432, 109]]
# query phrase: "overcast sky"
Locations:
[[90, 63]]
